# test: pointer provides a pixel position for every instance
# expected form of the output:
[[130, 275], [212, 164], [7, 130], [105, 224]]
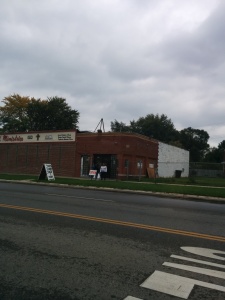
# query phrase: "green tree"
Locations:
[[221, 145], [119, 127], [216, 154], [213, 155], [30, 114], [60, 114], [37, 112], [196, 141], [52, 114], [13, 115], [153, 126], [156, 126]]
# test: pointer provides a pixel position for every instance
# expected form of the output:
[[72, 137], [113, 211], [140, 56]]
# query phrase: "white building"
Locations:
[[172, 161]]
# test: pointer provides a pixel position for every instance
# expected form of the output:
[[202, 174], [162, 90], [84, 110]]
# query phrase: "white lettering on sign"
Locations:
[[49, 172]]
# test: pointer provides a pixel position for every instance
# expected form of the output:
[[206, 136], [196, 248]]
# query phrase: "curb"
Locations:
[[215, 200]]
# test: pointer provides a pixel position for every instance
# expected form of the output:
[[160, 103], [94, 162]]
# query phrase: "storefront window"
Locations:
[[85, 165]]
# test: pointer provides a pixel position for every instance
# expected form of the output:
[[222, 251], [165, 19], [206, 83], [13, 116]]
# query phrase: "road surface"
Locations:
[[66, 243]]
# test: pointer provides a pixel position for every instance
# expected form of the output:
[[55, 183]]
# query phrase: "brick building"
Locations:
[[73, 153], [25, 153], [125, 154]]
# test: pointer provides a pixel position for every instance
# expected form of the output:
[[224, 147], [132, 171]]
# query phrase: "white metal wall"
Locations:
[[170, 159]]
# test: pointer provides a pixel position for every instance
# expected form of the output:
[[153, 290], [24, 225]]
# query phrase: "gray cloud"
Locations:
[[119, 59]]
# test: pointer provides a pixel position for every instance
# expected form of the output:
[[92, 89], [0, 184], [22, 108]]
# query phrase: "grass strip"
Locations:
[[132, 185]]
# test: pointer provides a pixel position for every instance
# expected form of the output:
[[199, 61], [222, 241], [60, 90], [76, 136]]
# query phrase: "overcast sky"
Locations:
[[119, 59]]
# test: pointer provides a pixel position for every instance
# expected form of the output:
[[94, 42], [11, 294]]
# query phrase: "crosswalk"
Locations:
[[180, 286], [131, 298]]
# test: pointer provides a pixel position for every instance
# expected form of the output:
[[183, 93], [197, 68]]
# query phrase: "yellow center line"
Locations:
[[117, 222]]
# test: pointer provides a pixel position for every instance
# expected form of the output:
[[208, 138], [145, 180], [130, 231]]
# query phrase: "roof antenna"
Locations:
[[101, 126]]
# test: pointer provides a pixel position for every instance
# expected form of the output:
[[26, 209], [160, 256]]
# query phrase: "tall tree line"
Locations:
[[22, 113], [161, 128]]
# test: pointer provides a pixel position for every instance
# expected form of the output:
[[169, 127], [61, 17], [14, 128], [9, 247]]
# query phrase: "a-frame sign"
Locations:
[[46, 171]]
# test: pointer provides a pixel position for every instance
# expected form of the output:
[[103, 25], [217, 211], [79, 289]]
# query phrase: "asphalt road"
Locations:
[[64, 243]]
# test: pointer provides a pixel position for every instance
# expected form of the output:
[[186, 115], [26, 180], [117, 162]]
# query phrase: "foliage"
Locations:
[[153, 126], [196, 141], [162, 128], [13, 115], [221, 145], [37, 114], [61, 116], [176, 143], [119, 127], [53, 114], [216, 155], [29, 114], [213, 155], [158, 127]]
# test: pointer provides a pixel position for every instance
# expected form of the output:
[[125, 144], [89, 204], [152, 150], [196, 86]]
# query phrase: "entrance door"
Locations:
[[110, 161]]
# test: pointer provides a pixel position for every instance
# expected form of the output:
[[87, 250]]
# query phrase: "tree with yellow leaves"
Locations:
[[21, 114], [13, 115]]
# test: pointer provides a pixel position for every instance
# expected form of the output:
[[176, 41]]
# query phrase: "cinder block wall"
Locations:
[[170, 159]]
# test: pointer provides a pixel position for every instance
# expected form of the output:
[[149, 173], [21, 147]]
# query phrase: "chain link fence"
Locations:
[[201, 169]]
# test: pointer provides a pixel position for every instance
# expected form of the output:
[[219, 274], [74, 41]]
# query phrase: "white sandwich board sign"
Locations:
[[47, 171]]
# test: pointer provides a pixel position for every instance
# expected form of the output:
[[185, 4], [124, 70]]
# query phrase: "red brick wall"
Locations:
[[124, 145], [29, 158]]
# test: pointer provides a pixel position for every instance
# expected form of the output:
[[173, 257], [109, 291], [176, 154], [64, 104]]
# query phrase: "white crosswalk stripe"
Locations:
[[131, 298], [180, 286], [175, 285]]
